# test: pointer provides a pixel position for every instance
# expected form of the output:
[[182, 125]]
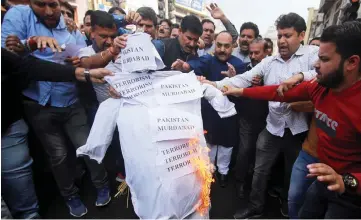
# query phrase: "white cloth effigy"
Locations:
[[158, 114]]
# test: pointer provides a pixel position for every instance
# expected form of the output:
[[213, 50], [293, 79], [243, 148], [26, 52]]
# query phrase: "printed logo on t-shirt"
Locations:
[[326, 123]]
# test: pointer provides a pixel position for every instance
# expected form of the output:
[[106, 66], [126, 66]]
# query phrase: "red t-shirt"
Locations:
[[338, 120]]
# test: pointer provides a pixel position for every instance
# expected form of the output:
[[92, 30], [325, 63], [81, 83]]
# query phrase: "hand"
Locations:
[[215, 11], [75, 61], [326, 174], [257, 81], [231, 71], [203, 80], [97, 75], [120, 42], [43, 42], [133, 17], [70, 24], [289, 84], [201, 45], [230, 90], [180, 65], [113, 93], [14, 44]]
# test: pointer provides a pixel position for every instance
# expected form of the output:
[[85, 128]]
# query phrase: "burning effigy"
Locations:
[[161, 133]]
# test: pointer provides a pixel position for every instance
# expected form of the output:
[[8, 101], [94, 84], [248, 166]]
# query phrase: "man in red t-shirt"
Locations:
[[337, 98]]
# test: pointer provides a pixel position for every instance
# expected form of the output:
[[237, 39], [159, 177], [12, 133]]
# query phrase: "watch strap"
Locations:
[[87, 75]]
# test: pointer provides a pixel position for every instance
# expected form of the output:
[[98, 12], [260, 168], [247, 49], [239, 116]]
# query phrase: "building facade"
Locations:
[[330, 12]]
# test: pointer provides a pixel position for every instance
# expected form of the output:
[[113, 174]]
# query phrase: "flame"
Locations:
[[204, 172]]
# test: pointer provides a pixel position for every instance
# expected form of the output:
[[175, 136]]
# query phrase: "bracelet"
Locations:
[[29, 42]]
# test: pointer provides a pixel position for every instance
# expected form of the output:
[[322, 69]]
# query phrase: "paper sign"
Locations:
[[138, 54], [174, 158], [69, 50], [177, 89], [131, 85], [168, 123]]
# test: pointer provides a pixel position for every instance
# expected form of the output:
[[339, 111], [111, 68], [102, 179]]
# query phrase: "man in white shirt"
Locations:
[[285, 129]]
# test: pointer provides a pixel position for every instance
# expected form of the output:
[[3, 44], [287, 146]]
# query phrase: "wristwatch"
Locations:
[[87, 75], [351, 183]]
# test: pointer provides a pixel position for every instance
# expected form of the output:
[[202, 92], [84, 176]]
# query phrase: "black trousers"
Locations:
[[54, 126], [248, 135], [322, 203], [268, 148]]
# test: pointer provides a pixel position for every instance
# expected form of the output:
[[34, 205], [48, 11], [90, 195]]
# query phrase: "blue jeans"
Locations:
[[16, 175], [299, 183]]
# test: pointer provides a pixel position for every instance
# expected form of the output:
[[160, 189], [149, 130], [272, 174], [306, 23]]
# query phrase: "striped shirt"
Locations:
[[274, 71]]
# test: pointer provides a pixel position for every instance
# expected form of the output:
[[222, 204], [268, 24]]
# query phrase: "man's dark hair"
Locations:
[[87, 13], [291, 20], [208, 21], [268, 40], [69, 7], [252, 26], [192, 24], [113, 9], [315, 38], [346, 37], [148, 13], [166, 21], [102, 19], [174, 26], [224, 32]]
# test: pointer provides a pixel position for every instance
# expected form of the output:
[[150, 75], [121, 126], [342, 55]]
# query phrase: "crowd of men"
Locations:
[[312, 127]]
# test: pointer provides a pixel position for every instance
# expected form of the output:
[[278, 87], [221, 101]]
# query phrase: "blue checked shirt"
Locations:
[[21, 21]]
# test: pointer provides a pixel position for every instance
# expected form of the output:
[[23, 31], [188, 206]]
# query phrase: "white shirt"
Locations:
[[274, 71], [207, 50]]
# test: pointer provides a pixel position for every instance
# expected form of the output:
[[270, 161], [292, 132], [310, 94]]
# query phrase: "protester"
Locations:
[[87, 27], [248, 32], [18, 190], [209, 29], [269, 46], [336, 192], [252, 119], [117, 11], [174, 31], [52, 109], [164, 29], [285, 130], [315, 41], [221, 133]]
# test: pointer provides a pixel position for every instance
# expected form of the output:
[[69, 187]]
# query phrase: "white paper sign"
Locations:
[[70, 50], [168, 123], [177, 89], [131, 85], [138, 54], [174, 158]]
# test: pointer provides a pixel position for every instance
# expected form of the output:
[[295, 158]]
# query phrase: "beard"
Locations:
[[334, 79]]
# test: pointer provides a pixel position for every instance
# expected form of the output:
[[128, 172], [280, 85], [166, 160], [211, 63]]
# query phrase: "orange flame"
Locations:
[[203, 167]]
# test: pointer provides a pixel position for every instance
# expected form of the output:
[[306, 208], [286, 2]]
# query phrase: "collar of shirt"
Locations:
[[300, 52], [60, 26]]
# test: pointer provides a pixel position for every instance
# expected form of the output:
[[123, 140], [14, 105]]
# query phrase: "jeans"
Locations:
[[17, 187], [322, 203], [54, 126], [267, 149], [299, 183]]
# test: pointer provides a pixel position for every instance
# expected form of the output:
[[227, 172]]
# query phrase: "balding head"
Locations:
[[224, 46], [258, 50]]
